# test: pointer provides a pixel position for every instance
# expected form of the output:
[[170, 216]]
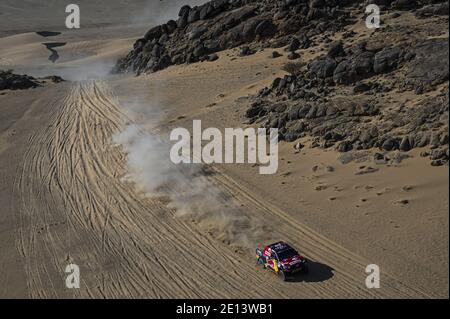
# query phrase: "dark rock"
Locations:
[[206, 11], [431, 64], [293, 56], [197, 32], [178, 59], [199, 51], [294, 111], [236, 17], [437, 163], [156, 51], [378, 157], [11, 81], [354, 68], [184, 11], [316, 3], [361, 87], [389, 144], [213, 57], [255, 110], [225, 24], [249, 27], [386, 60], [404, 4], [245, 50], [336, 49], [322, 68], [423, 141], [276, 83], [295, 131], [438, 154], [266, 28], [405, 145], [438, 9], [276, 54], [363, 109], [294, 45], [299, 146], [443, 139], [194, 15], [171, 26], [154, 33], [344, 146], [367, 170]]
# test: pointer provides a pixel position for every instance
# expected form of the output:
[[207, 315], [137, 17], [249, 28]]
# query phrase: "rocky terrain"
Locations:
[[12, 81], [310, 102], [350, 97], [222, 24]]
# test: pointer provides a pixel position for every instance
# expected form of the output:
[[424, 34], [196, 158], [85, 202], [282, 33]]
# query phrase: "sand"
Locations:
[[65, 195]]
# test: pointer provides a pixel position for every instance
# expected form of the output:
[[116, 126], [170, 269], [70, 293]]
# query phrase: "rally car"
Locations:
[[282, 259]]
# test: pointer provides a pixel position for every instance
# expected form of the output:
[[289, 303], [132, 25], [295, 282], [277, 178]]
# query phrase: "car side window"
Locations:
[[274, 256]]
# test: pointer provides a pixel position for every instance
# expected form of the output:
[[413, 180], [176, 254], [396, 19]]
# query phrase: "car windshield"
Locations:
[[285, 254]]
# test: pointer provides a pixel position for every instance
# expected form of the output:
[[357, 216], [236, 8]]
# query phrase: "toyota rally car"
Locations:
[[282, 259]]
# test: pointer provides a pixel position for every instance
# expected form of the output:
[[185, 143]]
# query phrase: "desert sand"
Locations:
[[68, 195]]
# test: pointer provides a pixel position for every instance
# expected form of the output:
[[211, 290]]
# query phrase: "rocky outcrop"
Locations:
[[343, 98], [223, 24], [11, 81]]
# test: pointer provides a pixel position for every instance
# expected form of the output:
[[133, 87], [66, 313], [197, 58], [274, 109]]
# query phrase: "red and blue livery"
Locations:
[[282, 259]]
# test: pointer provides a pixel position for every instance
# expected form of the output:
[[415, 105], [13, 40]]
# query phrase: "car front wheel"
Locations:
[[282, 275]]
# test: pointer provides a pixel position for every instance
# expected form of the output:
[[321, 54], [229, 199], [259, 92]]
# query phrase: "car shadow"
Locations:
[[318, 272]]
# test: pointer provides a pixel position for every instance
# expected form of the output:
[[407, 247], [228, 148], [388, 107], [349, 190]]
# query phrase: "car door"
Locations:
[[273, 262]]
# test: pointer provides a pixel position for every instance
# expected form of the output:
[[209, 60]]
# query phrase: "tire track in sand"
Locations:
[[75, 208]]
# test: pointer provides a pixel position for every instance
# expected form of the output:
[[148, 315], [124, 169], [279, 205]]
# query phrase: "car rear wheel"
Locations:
[[260, 261]]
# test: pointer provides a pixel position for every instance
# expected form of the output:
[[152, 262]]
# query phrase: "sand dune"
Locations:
[[66, 193]]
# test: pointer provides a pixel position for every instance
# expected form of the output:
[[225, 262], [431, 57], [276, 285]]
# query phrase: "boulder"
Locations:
[[389, 144], [266, 28], [386, 60], [354, 68], [430, 67], [336, 49], [194, 15], [438, 9], [323, 68], [153, 33], [294, 45]]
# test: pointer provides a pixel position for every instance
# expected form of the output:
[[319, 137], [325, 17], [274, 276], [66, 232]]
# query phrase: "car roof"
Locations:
[[279, 246]]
